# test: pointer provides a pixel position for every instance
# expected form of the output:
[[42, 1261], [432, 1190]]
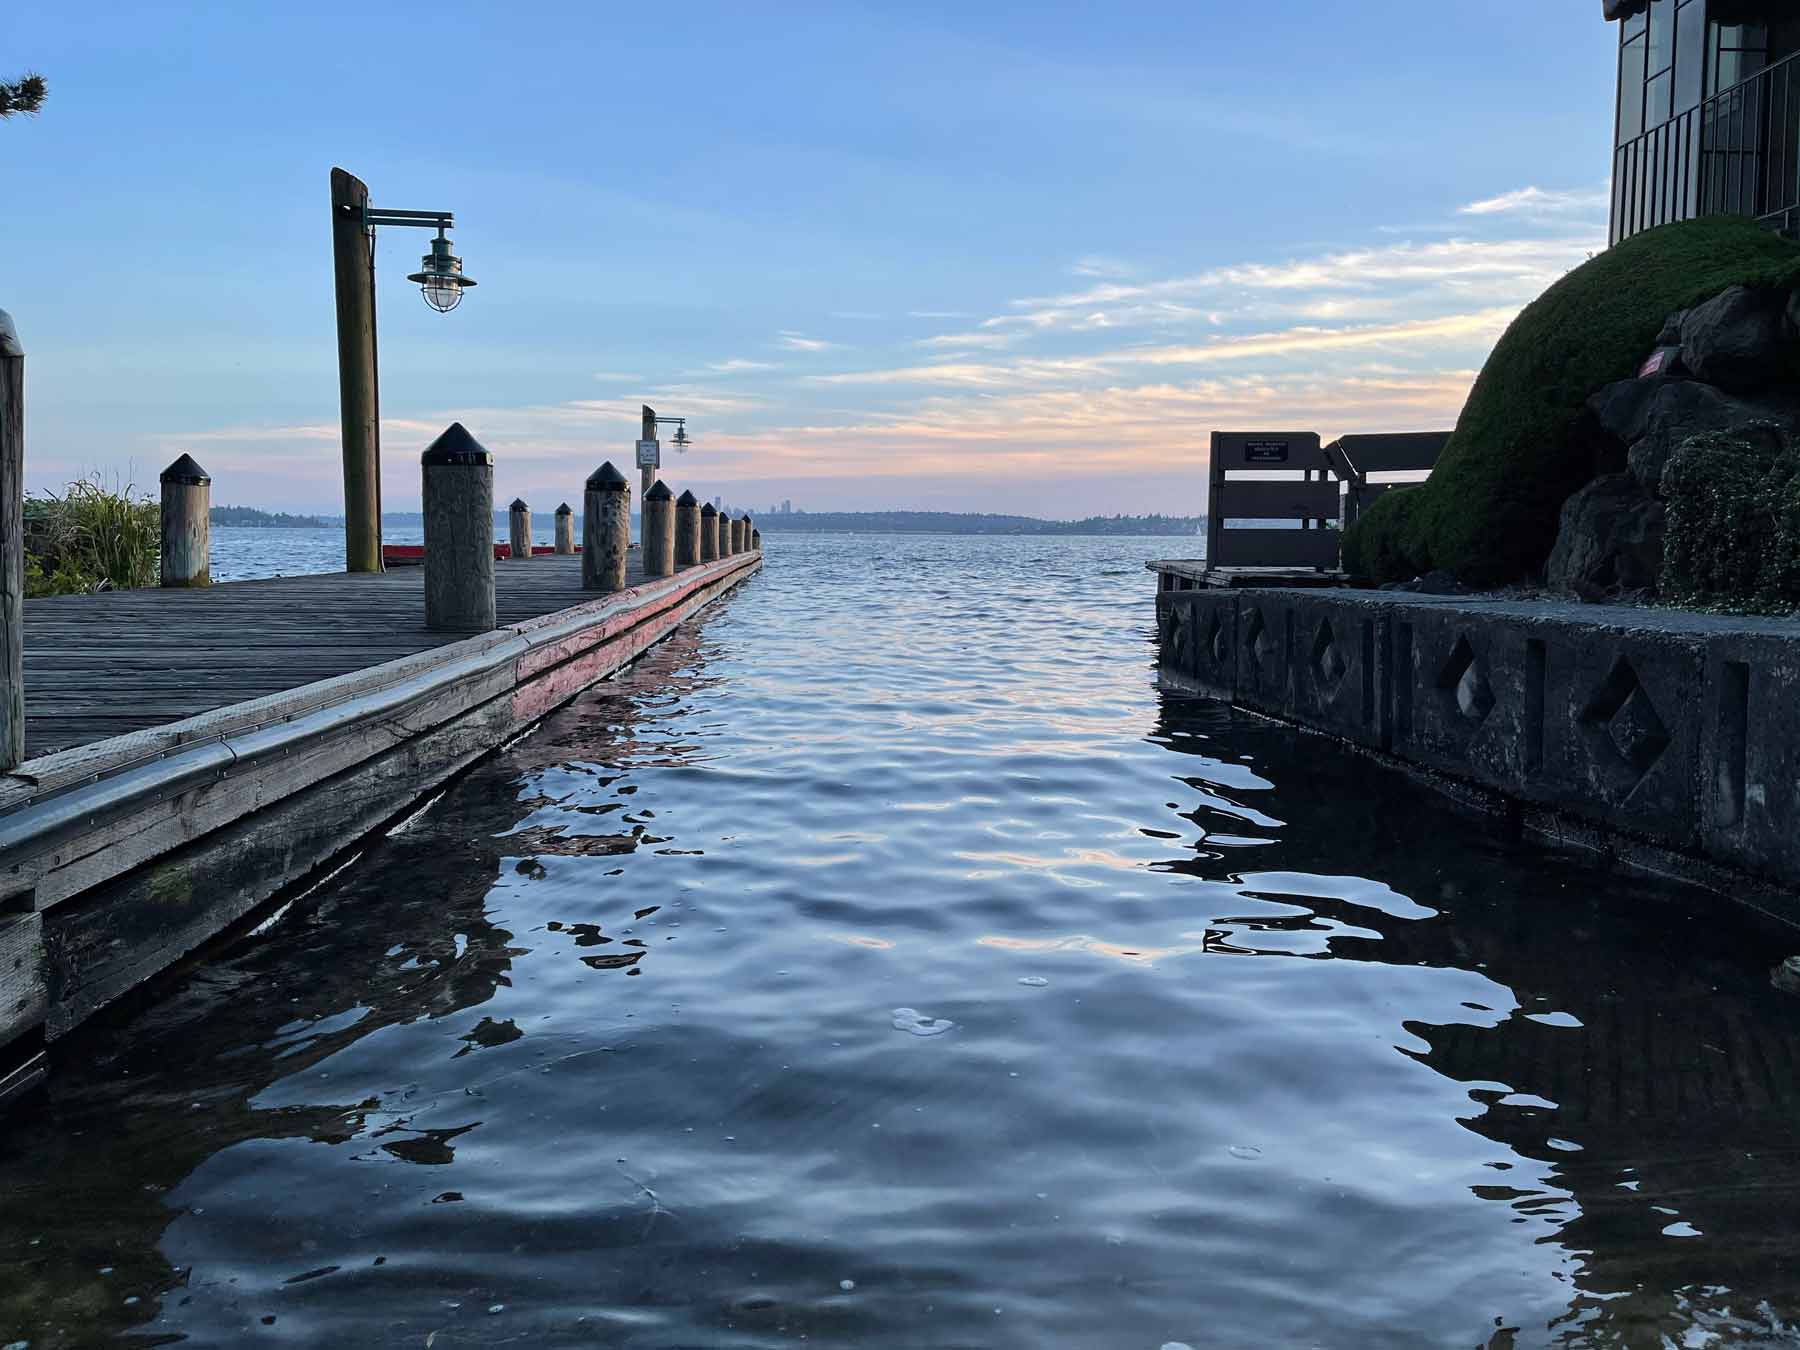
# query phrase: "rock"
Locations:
[[1620, 408], [1610, 540], [1793, 315], [1678, 409], [1439, 582], [1670, 336], [1739, 340]]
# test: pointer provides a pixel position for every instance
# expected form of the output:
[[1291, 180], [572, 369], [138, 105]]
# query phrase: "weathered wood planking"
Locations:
[[136, 849], [104, 665]]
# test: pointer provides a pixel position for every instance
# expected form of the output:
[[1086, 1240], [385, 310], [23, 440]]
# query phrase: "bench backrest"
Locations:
[[1306, 491]]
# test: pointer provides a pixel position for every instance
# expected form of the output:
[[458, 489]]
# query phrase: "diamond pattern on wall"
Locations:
[[1329, 664], [1215, 640], [1632, 726], [1463, 675]]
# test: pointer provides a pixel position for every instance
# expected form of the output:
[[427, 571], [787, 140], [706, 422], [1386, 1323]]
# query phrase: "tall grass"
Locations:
[[91, 538]]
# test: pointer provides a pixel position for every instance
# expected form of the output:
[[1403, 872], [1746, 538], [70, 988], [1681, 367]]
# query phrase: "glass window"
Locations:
[[1662, 36], [1632, 27], [1631, 90], [1690, 56], [1656, 99]]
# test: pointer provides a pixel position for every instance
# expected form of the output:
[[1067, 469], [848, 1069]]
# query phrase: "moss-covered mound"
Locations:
[[1489, 512], [1733, 530]]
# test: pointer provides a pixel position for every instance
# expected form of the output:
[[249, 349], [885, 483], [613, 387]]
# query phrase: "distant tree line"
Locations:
[[249, 515], [956, 522]]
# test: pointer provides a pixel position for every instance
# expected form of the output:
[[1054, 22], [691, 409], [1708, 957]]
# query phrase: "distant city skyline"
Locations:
[[1016, 260]]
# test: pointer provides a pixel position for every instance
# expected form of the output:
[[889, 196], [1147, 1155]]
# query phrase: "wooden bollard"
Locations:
[[659, 531], [709, 532], [737, 535], [744, 538], [605, 529], [12, 545], [687, 530], [458, 492], [565, 529], [518, 519], [186, 524], [756, 541]]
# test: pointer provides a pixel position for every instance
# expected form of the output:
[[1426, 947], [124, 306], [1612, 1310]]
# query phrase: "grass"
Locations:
[[1489, 512], [91, 538]]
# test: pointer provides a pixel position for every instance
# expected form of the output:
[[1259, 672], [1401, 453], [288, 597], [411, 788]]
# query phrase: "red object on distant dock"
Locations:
[[413, 555]]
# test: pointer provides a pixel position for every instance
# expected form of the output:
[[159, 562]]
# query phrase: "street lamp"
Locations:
[[440, 278]]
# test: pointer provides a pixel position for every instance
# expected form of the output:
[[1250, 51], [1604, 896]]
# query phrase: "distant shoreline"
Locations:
[[810, 522]]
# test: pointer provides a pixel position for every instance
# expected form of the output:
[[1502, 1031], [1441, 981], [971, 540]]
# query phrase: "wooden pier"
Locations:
[[191, 753]]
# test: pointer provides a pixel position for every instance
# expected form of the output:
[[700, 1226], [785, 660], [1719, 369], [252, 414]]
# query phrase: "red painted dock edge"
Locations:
[[413, 555]]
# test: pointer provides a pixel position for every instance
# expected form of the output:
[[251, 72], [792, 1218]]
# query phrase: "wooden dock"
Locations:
[[193, 753]]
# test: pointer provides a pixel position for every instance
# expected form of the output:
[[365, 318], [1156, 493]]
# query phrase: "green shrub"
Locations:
[[1489, 511], [1732, 533], [91, 538]]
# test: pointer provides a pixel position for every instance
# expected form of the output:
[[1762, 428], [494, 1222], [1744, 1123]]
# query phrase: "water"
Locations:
[[884, 962]]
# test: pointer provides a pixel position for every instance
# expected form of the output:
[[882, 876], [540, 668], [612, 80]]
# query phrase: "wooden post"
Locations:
[[518, 519], [744, 539], [605, 529], [659, 531], [648, 417], [687, 530], [756, 541], [458, 491], [709, 532], [565, 529], [353, 266], [12, 546], [737, 535], [186, 524]]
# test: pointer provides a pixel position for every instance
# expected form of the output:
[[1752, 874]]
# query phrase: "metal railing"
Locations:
[[1738, 153]]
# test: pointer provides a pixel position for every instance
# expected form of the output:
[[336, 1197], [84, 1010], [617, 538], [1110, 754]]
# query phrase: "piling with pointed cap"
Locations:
[[12, 545], [605, 529], [659, 531], [687, 530], [737, 535], [518, 520], [565, 529], [744, 538], [458, 491], [756, 541], [186, 524], [709, 532]]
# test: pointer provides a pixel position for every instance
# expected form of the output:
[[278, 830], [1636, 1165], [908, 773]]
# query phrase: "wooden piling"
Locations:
[[458, 491], [737, 534], [659, 531], [744, 545], [518, 520], [353, 267], [709, 532], [565, 529], [687, 530], [605, 529], [756, 541], [12, 545], [186, 524]]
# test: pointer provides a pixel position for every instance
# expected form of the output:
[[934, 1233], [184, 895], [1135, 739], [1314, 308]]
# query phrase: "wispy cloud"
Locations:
[[738, 364], [939, 314], [799, 342], [1093, 266], [1536, 201], [617, 376]]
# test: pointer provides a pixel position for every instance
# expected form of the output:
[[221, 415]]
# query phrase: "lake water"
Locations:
[[883, 961]]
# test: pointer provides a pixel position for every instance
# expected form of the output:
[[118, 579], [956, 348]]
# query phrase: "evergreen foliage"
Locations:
[[23, 95], [1732, 534], [1489, 512]]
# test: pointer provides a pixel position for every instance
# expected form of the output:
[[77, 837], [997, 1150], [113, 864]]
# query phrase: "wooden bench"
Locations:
[[1295, 481], [1411, 453]]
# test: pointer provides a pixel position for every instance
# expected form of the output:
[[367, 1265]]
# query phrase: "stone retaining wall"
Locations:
[[1679, 730]]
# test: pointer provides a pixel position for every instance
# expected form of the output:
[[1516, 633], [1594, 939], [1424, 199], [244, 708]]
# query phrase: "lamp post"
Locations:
[[440, 277], [650, 449]]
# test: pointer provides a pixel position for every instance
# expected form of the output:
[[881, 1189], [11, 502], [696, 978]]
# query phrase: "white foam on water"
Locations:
[[916, 1022]]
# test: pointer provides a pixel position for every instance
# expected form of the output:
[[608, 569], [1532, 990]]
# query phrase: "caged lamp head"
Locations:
[[681, 441], [440, 276]]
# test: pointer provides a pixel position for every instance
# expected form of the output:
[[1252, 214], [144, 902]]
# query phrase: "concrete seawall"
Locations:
[[1671, 738]]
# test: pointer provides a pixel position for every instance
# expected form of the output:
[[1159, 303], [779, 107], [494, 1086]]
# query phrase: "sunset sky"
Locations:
[[1013, 257]]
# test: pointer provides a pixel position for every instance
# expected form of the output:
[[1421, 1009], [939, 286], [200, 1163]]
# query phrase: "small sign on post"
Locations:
[[648, 456], [1265, 452]]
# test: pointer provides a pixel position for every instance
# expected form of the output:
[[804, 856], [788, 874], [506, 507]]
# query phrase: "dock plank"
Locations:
[[98, 666]]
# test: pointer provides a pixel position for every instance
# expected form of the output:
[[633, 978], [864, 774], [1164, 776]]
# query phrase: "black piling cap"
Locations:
[[518, 505], [184, 470], [606, 479], [564, 510], [455, 446], [659, 492], [687, 498], [709, 510]]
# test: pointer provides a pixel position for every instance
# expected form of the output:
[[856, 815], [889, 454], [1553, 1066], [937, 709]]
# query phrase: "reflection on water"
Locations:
[[885, 962]]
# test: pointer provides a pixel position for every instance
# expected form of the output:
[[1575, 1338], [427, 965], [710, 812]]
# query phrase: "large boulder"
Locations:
[[1610, 540], [1681, 409], [1739, 340], [1524, 442]]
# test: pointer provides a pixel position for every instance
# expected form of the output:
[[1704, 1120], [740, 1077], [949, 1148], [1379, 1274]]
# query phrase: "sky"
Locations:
[[936, 256]]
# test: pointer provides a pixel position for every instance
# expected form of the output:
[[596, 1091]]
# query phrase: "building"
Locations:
[[1708, 113]]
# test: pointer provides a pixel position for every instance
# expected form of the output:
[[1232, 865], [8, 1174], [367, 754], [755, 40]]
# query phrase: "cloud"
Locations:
[[939, 314], [1536, 201], [738, 364], [1093, 266], [617, 375], [798, 342], [967, 340]]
